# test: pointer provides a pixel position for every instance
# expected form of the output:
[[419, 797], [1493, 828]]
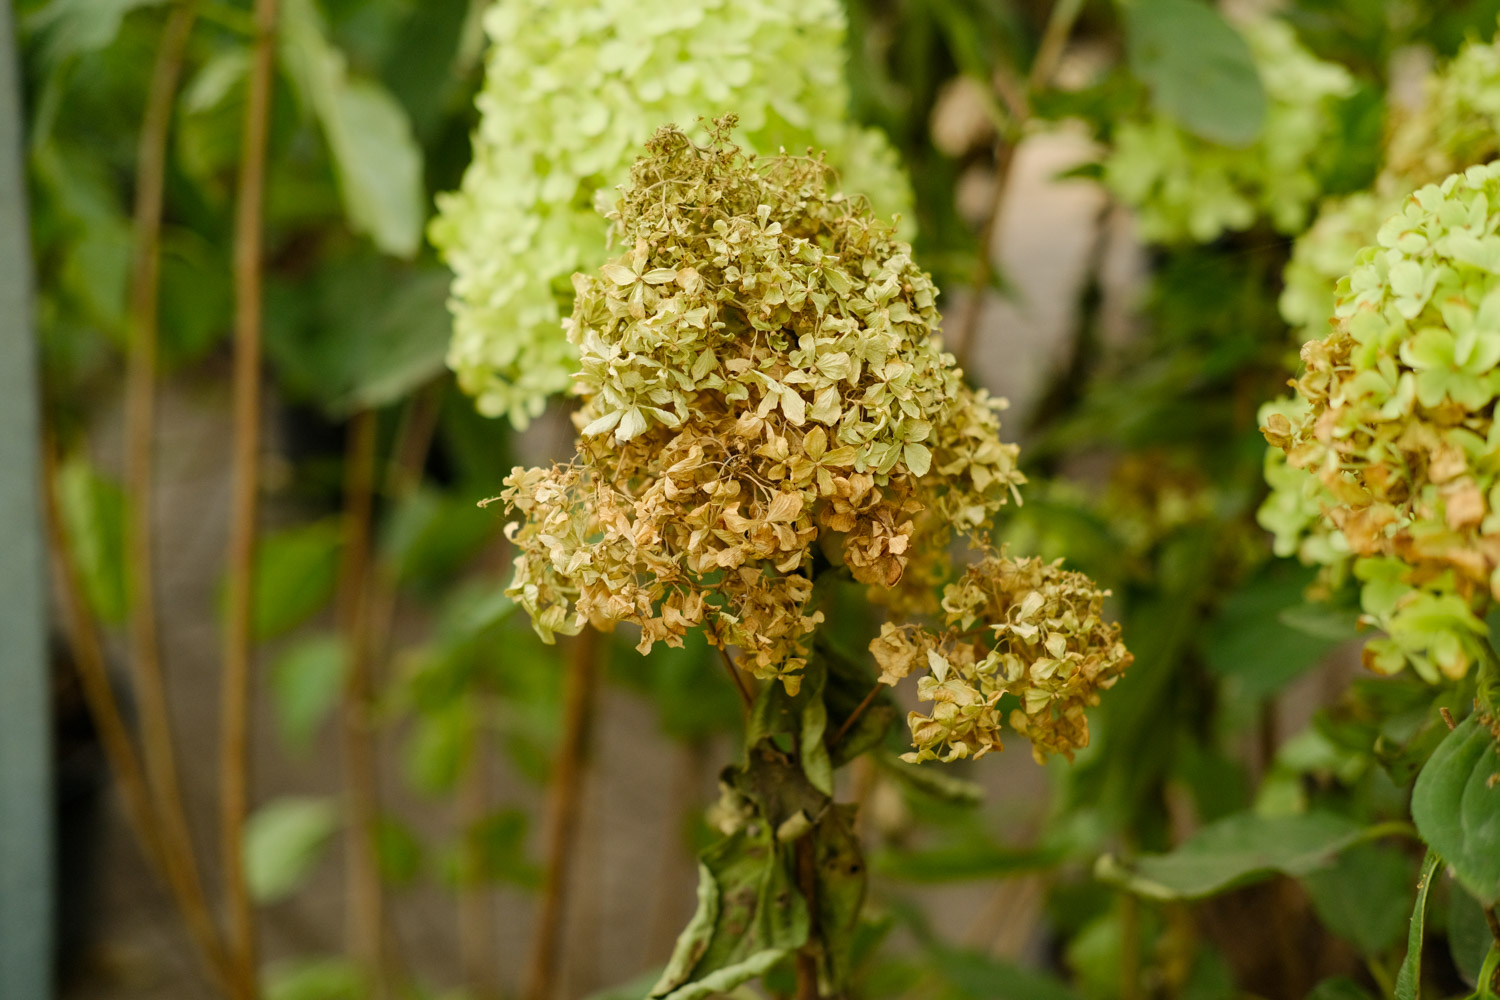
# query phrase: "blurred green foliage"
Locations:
[[1188, 787]]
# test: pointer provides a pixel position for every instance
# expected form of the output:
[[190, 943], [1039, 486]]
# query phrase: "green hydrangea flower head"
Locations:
[[572, 88], [1184, 188], [1456, 126], [1396, 422], [1457, 123], [1324, 253]]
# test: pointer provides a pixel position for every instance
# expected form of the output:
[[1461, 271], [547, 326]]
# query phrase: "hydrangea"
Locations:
[[1324, 253], [759, 370], [1186, 188], [764, 398], [1397, 425], [1021, 627], [572, 88], [1456, 126]]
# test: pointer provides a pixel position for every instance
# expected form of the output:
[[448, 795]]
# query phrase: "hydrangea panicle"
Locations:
[[1395, 435], [1021, 627], [763, 397], [572, 88]]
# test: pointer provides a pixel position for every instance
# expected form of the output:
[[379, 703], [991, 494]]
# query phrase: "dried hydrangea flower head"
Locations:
[[1398, 427], [761, 386], [1020, 627], [572, 88], [1187, 188]]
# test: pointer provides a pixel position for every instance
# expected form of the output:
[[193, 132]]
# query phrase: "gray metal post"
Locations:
[[25, 712]]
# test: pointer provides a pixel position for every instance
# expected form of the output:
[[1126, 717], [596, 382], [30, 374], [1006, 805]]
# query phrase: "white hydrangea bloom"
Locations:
[[572, 90]]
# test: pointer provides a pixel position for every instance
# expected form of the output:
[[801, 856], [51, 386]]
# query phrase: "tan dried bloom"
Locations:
[[761, 384], [1022, 627]]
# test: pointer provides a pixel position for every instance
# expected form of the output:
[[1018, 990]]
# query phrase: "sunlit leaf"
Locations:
[[306, 680], [284, 840], [373, 148]]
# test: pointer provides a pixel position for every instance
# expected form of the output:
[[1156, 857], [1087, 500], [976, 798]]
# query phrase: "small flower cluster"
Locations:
[[1186, 188], [1395, 439], [761, 388], [1047, 644], [572, 88]]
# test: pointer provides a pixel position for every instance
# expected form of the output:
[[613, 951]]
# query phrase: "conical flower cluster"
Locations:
[[572, 88], [1397, 428], [761, 389], [1456, 126]]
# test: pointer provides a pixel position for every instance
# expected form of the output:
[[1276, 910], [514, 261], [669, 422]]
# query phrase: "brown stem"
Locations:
[[477, 930], [672, 872], [114, 734], [1494, 922], [403, 476], [365, 899], [169, 817], [854, 715], [807, 883], [236, 697], [562, 809], [746, 699], [1043, 68]]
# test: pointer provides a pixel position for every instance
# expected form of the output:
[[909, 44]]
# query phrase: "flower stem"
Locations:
[[235, 708], [566, 795]]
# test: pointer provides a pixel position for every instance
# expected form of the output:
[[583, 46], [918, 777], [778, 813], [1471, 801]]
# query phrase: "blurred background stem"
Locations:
[[236, 723]]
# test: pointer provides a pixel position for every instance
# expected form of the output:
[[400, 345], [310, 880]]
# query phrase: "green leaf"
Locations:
[[840, 891], [93, 515], [1200, 70], [315, 979], [962, 862], [306, 680], [398, 851], [373, 147], [283, 841], [1469, 937], [295, 573], [438, 749], [750, 916], [1251, 642], [1456, 806], [982, 977], [1234, 851], [1362, 896], [75, 27], [378, 331], [494, 850], [1409, 978], [1339, 988], [932, 782]]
